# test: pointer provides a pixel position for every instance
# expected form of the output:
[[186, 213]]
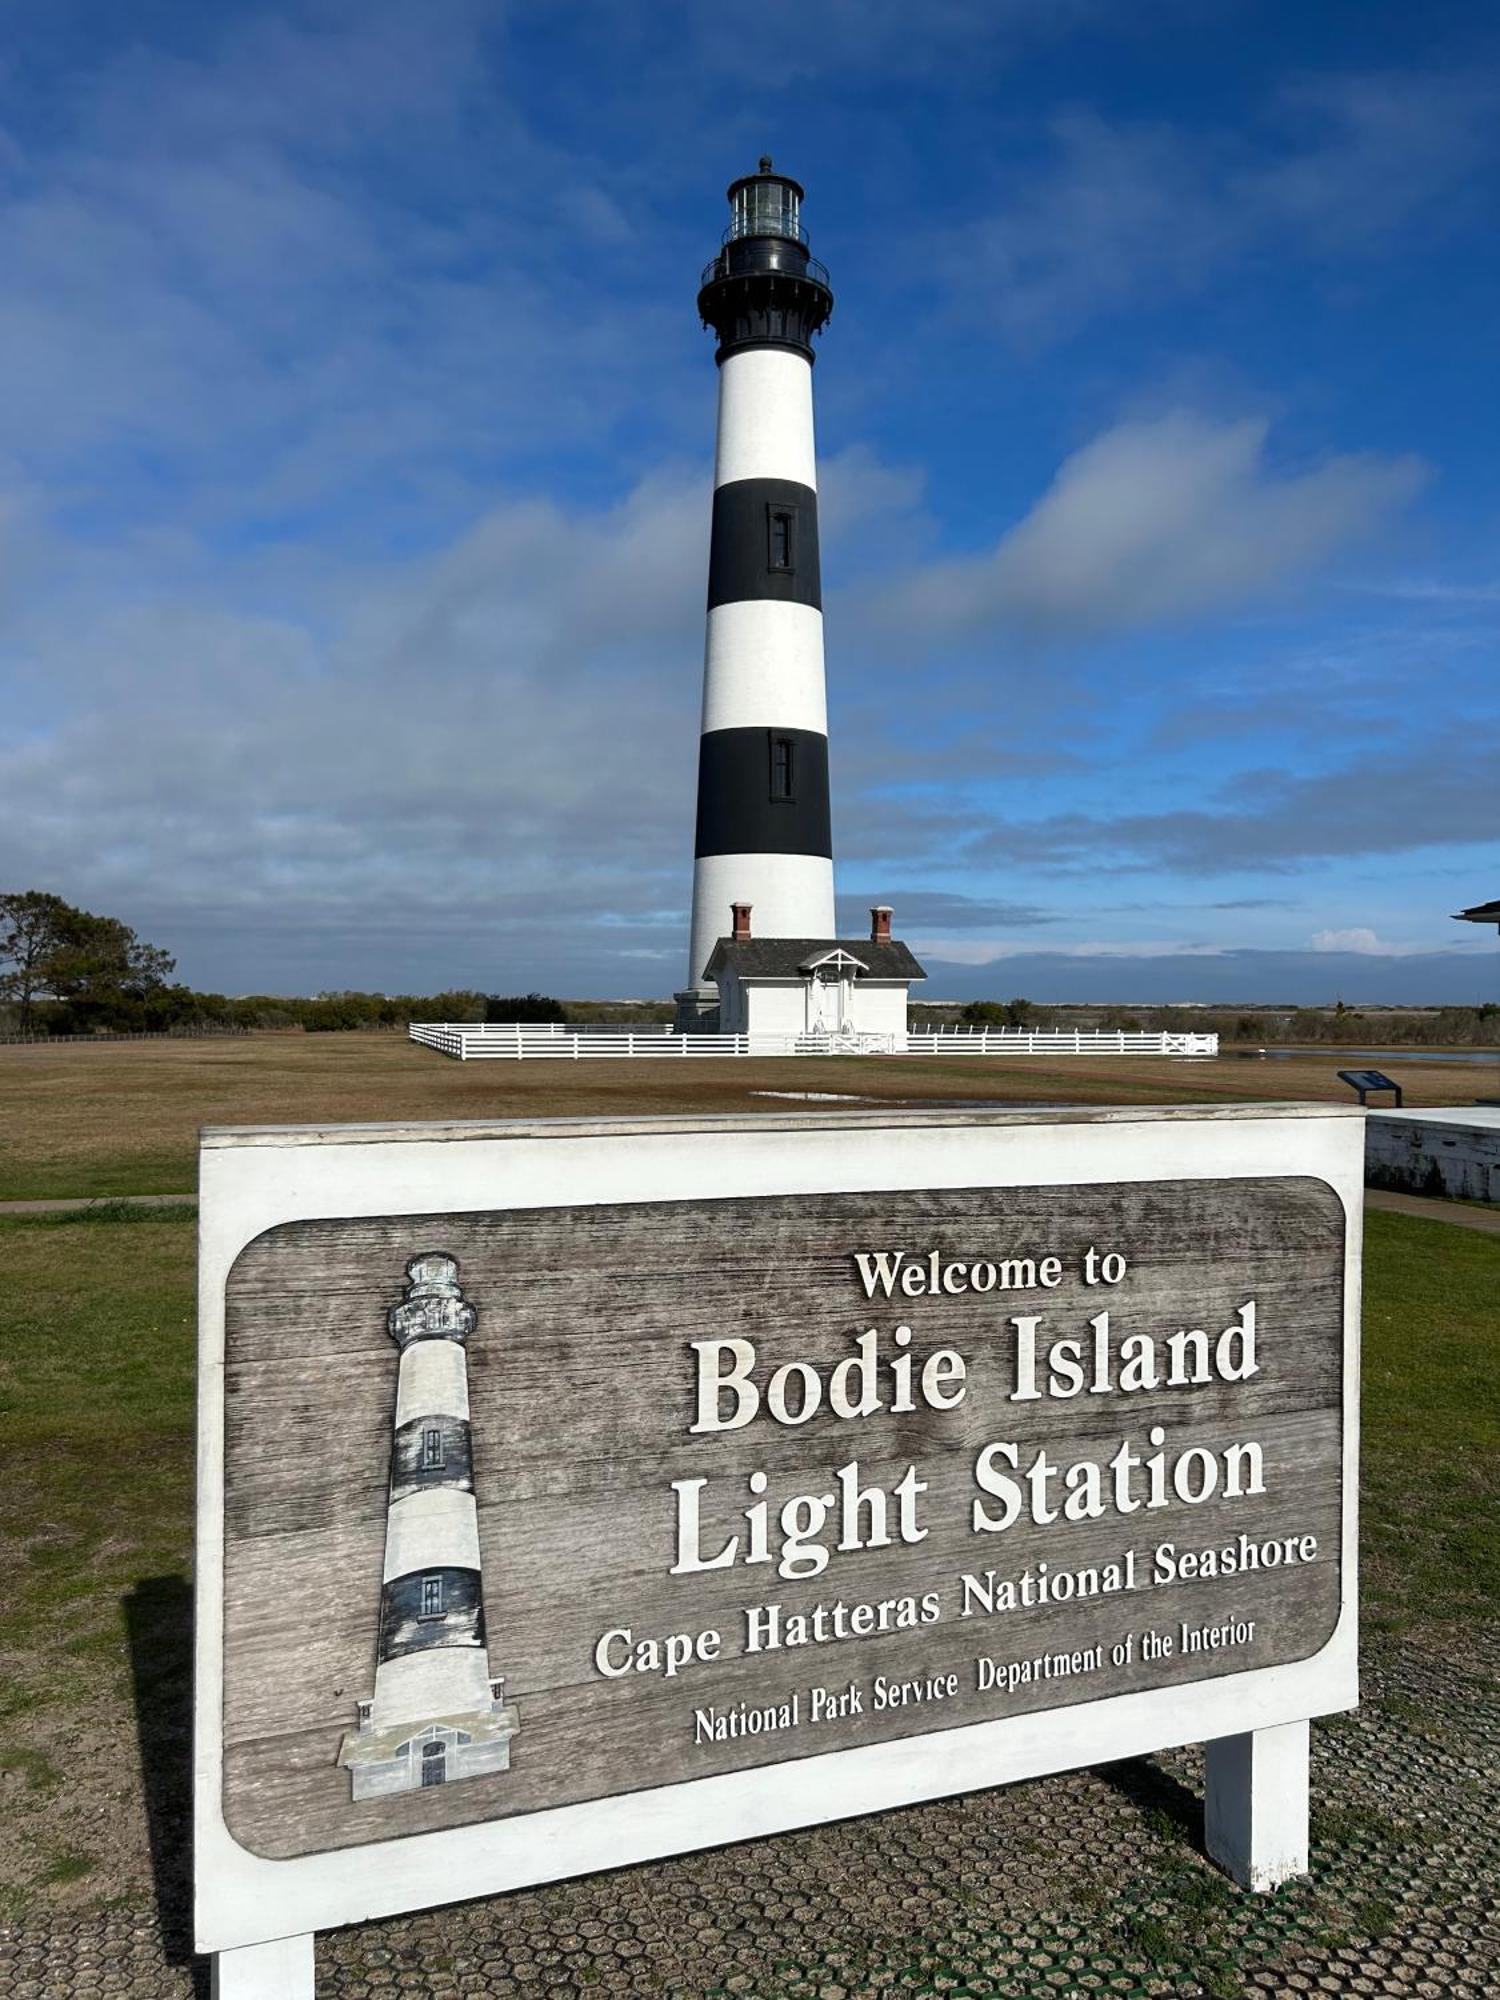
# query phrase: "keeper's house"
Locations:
[[846, 987]]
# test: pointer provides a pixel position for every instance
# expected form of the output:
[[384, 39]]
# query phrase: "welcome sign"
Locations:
[[575, 1494]]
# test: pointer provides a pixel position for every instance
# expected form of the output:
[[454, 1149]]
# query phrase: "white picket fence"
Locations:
[[1057, 1042], [554, 1042]]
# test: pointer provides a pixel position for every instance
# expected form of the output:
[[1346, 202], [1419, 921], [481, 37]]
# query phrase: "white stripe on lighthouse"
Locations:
[[435, 1530], [420, 1687], [763, 665], [765, 418], [434, 1381], [791, 895]]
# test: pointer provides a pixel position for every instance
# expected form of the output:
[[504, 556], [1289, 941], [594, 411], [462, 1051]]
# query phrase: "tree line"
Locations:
[[66, 971]]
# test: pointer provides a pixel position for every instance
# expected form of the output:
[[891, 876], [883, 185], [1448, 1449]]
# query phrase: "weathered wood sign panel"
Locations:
[[556, 1474]]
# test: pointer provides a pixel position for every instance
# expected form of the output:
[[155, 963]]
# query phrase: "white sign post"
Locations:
[[573, 1494]]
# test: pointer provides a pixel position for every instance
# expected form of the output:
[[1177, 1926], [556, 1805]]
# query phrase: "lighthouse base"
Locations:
[[697, 1012], [409, 1757]]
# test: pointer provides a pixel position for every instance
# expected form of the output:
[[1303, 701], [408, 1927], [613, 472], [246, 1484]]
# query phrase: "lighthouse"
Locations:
[[763, 836], [436, 1714]]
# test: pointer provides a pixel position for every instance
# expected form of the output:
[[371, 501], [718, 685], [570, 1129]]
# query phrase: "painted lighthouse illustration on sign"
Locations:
[[436, 1714], [763, 955]]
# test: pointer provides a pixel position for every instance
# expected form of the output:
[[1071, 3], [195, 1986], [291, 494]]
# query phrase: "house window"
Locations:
[[781, 538], [432, 1448], [432, 1597], [783, 770]]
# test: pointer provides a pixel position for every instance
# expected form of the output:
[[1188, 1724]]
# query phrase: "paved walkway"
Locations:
[[1466, 1215], [61, 1207], [1093, 1883]]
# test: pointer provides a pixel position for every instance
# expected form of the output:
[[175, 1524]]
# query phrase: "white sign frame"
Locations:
[[254, 1179]]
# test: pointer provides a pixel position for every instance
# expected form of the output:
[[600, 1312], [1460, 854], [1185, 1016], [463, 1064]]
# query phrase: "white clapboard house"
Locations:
[[843, 987]]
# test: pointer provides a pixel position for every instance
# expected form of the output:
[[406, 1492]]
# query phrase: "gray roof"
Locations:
[[789, 958]]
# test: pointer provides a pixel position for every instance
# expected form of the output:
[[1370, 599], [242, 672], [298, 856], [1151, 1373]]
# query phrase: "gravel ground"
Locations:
[[1090, 1883]]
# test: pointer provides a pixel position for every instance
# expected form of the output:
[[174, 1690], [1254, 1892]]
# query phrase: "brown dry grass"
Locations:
[[123, 1118]]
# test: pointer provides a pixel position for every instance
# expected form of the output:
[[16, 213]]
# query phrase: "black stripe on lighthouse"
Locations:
[[438, 1606], [429, 1452], [765, 543], [763, 791]]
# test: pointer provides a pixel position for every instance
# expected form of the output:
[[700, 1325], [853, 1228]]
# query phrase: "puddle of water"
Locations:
[[913, 1103], [973, 1103], [817, 1096]]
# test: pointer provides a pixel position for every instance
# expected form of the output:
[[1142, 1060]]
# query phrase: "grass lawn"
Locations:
[[123, 1117], [96, 1394], [96, 1405], [1430, 1480]]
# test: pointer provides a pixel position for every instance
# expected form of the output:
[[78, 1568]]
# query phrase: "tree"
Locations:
[[523, 1007], [96, 968], [991, 1014], [31, 927], [984, 1014]]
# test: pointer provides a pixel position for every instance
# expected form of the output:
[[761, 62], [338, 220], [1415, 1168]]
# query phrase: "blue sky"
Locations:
[[355, 447]]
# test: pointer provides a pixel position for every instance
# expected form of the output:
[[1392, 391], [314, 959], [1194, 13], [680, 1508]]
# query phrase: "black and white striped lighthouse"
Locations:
[[764, 836], [436, 1714]]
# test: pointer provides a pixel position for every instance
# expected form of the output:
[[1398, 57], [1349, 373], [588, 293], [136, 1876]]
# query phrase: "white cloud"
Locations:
[[1158, 520], [1119, 213], [1139, 216], [1365, 943], [277, 274], [501, 735], [1358, 940], [992, 951]]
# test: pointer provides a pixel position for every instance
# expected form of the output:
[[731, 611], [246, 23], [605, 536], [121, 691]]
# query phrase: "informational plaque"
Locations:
[[581, 1493]]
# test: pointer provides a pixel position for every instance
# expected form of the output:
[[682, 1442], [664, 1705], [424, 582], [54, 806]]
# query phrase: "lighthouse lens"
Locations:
[[766, 208]]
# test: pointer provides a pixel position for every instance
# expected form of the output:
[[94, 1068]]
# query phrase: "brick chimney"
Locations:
[[741, 915], [880, 924]]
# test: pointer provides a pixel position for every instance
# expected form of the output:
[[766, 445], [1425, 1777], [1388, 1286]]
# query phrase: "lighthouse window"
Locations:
[[783, 770], [781, 537], [432, 1447], [432, 1597]]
